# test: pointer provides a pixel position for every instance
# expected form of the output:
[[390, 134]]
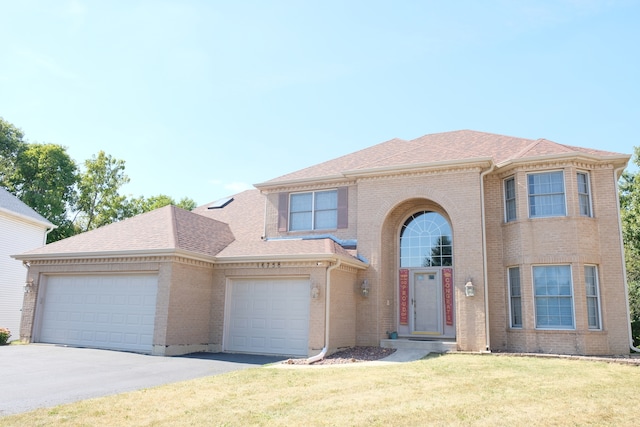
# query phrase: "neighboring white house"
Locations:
[[21, 229]]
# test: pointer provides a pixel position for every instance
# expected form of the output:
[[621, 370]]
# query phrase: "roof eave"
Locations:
[[346, 260], [622, 159], [300, 181], [114, 254], [386, 170], [26, 218]]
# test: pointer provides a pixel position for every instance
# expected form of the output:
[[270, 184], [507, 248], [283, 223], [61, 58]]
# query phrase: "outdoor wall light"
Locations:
[[28, 286], [364, 288], [469, 289], [315, 292]]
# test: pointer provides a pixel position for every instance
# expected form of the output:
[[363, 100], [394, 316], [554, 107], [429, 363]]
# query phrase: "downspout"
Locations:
[[327, 312], [484, 257], [616, 175]]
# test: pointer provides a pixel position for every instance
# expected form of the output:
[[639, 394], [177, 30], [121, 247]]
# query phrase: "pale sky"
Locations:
[[204, 98]]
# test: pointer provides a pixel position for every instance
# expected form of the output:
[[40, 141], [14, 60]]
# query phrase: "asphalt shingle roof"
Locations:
[[164, 229], [439, 147], [11, 203]]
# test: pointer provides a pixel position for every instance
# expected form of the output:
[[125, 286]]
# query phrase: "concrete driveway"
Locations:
[[41, 375]]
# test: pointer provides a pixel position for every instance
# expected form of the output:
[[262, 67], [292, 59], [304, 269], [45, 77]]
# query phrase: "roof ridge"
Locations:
[[527, 148]]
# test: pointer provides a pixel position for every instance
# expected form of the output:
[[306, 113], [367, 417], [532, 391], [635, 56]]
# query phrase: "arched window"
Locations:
[[425, 241]]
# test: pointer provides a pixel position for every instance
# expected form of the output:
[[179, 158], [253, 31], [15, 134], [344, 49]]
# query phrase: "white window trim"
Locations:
[[564, 193], [504, 198], [573, 299], [597, 296], [511, 325], [313, 209], [589, 193]]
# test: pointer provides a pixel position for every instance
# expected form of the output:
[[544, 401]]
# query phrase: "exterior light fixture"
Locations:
[[364, 288], [28, 286], [469, 289], [315, 292]]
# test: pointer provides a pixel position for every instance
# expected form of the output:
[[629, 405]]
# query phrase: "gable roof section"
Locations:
[[439, 148], [164, 230], [11, 205]]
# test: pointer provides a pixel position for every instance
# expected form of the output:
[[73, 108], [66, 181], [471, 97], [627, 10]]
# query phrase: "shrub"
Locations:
[[4, 335]]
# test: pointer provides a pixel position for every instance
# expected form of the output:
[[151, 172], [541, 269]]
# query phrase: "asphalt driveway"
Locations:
[[41, 375]]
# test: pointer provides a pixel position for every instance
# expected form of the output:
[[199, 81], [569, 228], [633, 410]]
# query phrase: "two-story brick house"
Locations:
[[485, 241]]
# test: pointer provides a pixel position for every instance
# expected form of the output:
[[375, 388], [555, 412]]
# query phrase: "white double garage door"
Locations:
[[265, 316]]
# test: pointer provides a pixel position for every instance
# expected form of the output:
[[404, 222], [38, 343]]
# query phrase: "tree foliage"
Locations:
[[99, 199], [630, 215], [46, 178]]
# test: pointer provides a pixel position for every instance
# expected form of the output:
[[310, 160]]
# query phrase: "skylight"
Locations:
[[221, 203]]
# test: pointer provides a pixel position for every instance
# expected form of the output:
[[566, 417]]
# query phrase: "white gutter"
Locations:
[[484, 256], [327, 310], [616, 176]]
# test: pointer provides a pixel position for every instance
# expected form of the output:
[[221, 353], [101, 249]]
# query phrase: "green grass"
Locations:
[[446, 390]]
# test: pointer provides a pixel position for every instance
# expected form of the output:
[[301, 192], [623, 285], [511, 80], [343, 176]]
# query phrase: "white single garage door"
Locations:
[[268, 316], [108, 311]]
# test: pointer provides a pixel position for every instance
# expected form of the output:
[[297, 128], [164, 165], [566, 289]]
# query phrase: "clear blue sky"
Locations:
[[204, 98]]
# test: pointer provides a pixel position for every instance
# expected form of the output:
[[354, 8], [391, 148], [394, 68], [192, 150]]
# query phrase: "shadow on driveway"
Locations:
[[244, 359]]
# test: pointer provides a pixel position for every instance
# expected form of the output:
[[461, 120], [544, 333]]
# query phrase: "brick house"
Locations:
[[465, 239]]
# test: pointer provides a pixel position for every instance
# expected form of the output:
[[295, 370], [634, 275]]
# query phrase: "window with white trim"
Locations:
[[584, 194], [546, 194], [515, 297], [510, 199], [593, 299], [553, 291], [317, 210]]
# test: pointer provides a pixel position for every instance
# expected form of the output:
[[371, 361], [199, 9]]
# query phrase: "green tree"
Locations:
[[44, 179], [99, 201], [141, 204], [630, 215], [11, 144]]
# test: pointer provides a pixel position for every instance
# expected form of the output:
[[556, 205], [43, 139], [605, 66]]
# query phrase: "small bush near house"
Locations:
[[4, 335]]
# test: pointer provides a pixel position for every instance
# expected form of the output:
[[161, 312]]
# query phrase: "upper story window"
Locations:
[[425, 241], [584, 194], [317, 210], [510, 199], [546, 194]]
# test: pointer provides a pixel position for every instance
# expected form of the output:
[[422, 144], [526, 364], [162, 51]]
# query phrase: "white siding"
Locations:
[[16, 236]]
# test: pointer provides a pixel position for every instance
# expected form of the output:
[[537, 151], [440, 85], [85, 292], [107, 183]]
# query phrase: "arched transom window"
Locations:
[[425, 241]]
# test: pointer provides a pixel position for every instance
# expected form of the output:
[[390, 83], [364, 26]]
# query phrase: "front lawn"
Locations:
[[454, 389]]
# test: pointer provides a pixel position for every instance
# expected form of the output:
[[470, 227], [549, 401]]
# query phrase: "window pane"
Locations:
[[510, 199], [300, 221], [546, 194], [425, 240], [301, 202], [326, 219], [591, 285], [327, 200], [584, 195], [553, 295], [516, 301]]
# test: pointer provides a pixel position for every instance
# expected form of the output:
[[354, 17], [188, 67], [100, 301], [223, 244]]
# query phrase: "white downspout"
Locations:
[[616, 176], [484, 257], [327, 307]]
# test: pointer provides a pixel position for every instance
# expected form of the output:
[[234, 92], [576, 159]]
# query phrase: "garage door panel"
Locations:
[[114, 312], [268, 316]]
